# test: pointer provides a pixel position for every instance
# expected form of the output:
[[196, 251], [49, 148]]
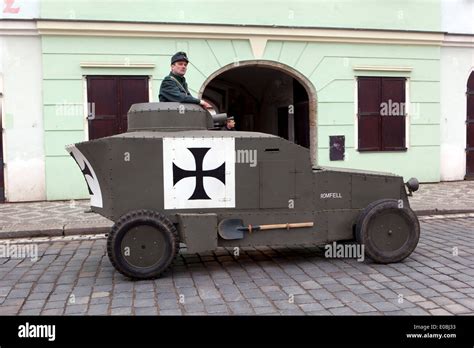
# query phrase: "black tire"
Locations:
[[389, 233], [142, 244]]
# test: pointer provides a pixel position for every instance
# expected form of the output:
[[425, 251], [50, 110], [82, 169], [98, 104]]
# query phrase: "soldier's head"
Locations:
[[179, 63], [230, 122]]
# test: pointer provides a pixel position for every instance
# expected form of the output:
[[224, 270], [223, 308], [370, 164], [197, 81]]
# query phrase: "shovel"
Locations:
[[230, 229]]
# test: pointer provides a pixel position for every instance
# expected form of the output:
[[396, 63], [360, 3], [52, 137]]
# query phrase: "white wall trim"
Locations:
[[258, 45], [382, 68], [134, 29], [150, 88], [18, 28], [116, 65], [458, 41]]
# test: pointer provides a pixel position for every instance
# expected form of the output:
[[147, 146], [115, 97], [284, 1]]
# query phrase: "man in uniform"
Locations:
[[230, 124], [174, 87]]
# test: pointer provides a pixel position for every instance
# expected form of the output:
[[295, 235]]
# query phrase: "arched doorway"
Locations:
[[268, 97], [470, 128]]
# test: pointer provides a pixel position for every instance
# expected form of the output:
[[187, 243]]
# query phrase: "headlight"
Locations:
[[412, 184]]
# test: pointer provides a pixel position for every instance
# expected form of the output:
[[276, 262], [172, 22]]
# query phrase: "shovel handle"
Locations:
[[287, 226], [251, 228]]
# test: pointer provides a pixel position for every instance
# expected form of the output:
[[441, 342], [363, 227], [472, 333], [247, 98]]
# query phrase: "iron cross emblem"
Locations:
[[199, 192]]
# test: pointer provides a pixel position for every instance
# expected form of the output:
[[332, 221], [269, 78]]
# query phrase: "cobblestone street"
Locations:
[[73, 275]]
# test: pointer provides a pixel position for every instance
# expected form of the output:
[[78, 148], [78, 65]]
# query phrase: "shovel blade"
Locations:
[[229, 229]]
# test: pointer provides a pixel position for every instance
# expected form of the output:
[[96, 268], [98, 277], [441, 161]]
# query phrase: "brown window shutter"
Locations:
[[369, 133], [369, 98], [393, 118], [393, 133], [393, 89], [369, 95], [112, 97]]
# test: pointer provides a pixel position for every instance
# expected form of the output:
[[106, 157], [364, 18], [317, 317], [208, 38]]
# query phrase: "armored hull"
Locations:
[[173, 178]]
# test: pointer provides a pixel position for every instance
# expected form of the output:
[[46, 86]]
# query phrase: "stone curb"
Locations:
[[75, 228], [443, 211], [69, 229]]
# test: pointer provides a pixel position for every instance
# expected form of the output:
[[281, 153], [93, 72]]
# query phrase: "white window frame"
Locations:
[[407, 113]]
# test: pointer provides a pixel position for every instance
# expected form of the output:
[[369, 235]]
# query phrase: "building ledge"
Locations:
[[190, 31], [117, 65], [18, 28]]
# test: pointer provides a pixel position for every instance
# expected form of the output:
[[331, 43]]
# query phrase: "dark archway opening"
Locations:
[[263, 99]]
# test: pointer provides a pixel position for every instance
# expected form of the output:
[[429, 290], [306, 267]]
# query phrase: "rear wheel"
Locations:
[[387, 232], [142, 244]]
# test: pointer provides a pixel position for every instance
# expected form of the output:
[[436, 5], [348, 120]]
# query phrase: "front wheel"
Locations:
[[387, 232], [142, 244]]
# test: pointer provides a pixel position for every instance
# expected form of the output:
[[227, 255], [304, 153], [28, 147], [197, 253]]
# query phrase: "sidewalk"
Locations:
[[44, 219], [442, 198]]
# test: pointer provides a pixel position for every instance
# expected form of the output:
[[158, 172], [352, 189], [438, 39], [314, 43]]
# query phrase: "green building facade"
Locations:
[[326, 47]]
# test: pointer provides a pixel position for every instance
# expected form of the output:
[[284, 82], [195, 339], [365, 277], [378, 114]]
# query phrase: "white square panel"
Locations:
[[199, 173]]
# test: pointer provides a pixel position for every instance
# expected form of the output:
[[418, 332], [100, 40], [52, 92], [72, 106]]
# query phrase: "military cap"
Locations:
[[179, 56]]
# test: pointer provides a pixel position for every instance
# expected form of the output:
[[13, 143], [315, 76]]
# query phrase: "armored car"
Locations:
[[174, 177]]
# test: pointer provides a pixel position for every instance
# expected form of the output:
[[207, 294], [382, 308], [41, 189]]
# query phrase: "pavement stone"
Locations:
[[100, 309], [361, 307], [311, 307], [121, 311]]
